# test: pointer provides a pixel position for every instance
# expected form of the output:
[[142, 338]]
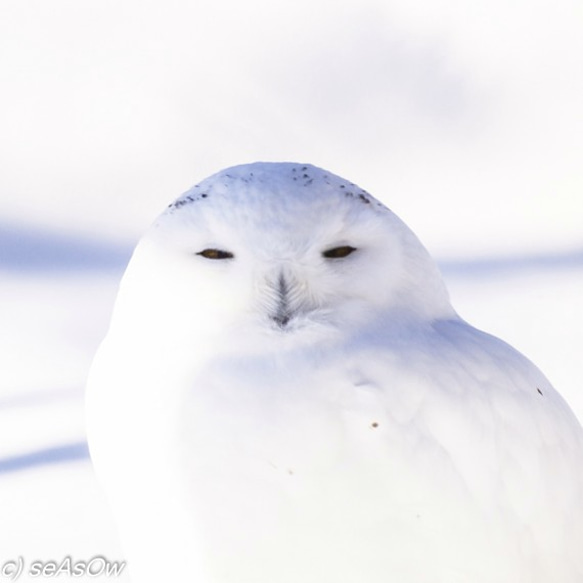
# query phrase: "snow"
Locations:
[[52, 506], [465, 120]]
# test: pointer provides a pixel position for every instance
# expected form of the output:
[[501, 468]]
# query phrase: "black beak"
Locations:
[[283, 314]]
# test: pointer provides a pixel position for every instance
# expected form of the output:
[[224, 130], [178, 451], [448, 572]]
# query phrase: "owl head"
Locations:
[[279, 252]]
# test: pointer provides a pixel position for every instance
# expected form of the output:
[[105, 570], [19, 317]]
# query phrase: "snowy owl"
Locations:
[[286, 395]]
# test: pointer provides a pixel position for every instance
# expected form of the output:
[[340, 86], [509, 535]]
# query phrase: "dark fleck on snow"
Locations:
[[539, 391], [374, 424]]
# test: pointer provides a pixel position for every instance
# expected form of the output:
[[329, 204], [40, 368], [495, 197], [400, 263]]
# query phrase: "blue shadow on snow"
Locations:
[[53, 455], [513, 264], [27, 249]]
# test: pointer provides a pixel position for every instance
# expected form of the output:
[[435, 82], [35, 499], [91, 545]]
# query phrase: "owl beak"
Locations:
[[283, 313]]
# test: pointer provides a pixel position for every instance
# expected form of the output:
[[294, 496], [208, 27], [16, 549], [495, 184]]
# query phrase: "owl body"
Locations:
[[288, 396]]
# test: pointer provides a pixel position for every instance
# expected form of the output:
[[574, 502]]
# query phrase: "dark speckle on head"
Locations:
[[305, 175], [187, 199], [539, 391]]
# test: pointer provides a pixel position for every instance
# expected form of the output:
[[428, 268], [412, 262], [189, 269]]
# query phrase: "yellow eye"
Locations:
[[216, 254], [339, 252]]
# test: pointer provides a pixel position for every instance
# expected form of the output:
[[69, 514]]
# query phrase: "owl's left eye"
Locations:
[[338, 252], [216, 254]]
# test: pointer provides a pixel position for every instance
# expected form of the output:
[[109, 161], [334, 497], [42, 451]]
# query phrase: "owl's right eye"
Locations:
[[216, 254], [338, 252]]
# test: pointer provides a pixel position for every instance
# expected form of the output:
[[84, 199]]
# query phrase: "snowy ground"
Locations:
[[51, 506], [464, 118], [53, 316]]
